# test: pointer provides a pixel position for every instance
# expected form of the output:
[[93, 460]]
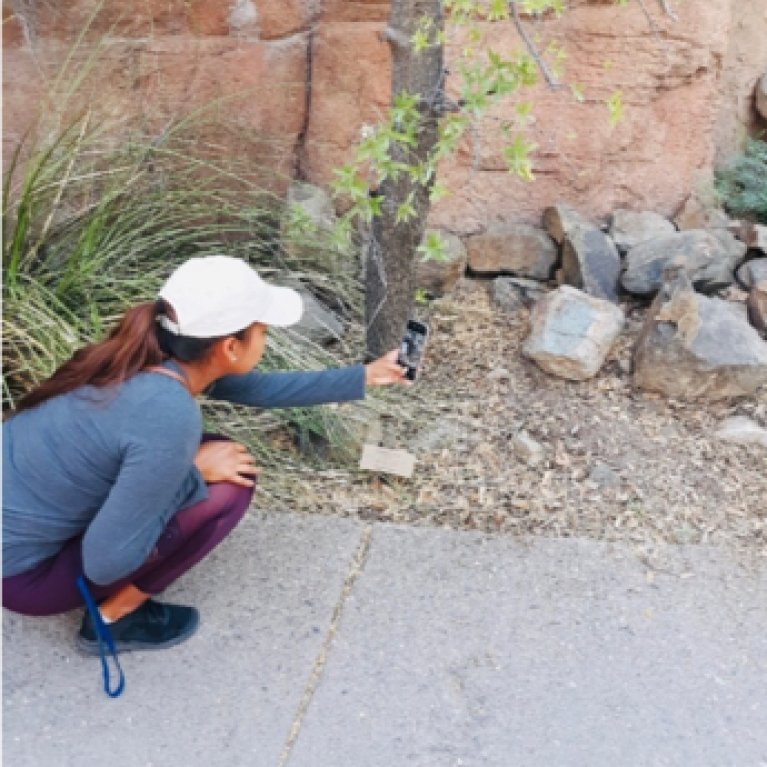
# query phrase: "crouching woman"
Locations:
[[110, 490]]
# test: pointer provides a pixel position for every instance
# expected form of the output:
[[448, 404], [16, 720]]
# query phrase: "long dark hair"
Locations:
[[138, 342]]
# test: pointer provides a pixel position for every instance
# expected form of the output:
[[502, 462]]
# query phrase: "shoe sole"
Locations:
[[89, 647]]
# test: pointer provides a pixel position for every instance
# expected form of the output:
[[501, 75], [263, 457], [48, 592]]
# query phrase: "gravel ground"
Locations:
[[620, 464]]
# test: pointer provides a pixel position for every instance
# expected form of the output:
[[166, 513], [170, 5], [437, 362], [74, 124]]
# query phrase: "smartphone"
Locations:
[[412, 348]]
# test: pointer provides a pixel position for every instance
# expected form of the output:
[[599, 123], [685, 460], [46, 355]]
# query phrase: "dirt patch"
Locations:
[[620, 465]]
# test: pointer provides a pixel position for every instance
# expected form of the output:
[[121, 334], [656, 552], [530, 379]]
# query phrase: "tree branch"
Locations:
[[668, 10], [654, 27], [393, 37], [550, 81]]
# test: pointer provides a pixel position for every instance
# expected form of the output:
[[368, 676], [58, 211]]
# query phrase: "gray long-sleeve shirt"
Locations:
[[116, 465]]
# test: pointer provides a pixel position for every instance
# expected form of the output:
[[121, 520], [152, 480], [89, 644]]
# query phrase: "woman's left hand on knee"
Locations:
[[225, 461]]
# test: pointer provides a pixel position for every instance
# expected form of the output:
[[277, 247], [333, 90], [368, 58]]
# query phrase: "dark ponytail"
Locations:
[[138, 342], [132, 346]]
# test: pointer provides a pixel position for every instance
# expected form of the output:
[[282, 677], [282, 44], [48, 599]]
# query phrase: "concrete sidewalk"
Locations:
[[331, 643]]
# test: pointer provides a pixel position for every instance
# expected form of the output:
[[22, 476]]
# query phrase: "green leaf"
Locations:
[[524, 110], [341, 236], [517, 156], [578, 92], [438, 192], [346, 182], [434, 248], [405, 109], [405, 211], [498, 10], [370, 207], [615, 108], [420, 41]]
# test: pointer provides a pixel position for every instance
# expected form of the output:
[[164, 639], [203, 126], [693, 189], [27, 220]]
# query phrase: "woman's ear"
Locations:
[[227, 350], [231, 348]]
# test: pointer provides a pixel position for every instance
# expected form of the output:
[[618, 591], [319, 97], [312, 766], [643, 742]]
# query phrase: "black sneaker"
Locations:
[[153, 626]]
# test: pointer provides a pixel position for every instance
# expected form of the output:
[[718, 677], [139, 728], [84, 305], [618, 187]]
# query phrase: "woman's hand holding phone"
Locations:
[[385, 371]]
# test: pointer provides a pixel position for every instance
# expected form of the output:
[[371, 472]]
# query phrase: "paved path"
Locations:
[[331, 643]]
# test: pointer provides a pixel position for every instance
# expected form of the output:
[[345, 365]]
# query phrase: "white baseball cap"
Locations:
[[219, 295]]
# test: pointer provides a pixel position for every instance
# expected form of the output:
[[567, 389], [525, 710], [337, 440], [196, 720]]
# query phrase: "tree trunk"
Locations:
[[390, 273]]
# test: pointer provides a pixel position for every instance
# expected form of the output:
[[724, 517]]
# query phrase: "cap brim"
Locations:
[[286, 307]]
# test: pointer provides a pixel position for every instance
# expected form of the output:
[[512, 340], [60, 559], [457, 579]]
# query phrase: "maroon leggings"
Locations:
[[51, 587]]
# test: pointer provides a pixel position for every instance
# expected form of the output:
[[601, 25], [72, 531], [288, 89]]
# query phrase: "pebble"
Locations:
[[604, 476], [530, 451], [742, 430]]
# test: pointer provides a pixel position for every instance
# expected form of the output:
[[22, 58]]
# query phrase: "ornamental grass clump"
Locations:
[[93, 224]]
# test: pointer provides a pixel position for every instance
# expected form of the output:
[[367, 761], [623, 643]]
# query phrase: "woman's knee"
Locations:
[[230, 498], [210, 436], [226, 503]]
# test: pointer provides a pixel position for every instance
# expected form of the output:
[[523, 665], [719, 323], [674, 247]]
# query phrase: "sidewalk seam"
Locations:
[[351, 576]]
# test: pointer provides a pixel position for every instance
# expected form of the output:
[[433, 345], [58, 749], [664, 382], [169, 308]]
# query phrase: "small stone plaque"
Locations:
[[386, 461]]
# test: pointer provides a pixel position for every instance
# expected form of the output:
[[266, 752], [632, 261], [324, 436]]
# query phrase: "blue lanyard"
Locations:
[[105, 638]]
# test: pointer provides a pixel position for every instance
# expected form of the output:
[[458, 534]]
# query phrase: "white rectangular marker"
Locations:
[[386, 461]]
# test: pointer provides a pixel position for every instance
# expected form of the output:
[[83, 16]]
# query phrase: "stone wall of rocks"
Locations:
[[312, 72], [705, 276], [702, 279]]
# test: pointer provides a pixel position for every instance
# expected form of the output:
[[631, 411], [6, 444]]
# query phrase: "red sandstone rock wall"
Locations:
[[311, 73], [672, 90], [744, 63], [156, 59]]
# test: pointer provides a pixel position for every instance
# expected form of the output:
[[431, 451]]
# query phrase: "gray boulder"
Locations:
[[703, 257], [512, 249], [591, 262], [701, 213], [742, 431], [761, 96], [757, 308], [692, 346], [505, 297], [307, 226], [753, 273], [510, 293], [738, 308], [753, 235], [311, 203], [629, 227], [560, 219], [736, 249], [757, 237], [571, 333], [318, 323], [440, 277]]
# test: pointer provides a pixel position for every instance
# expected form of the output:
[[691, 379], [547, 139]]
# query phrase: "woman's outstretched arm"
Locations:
[[303, 389]]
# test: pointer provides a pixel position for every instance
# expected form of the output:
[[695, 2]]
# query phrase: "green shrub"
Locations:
[[92, 225], [742, 185], [96, 213]]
